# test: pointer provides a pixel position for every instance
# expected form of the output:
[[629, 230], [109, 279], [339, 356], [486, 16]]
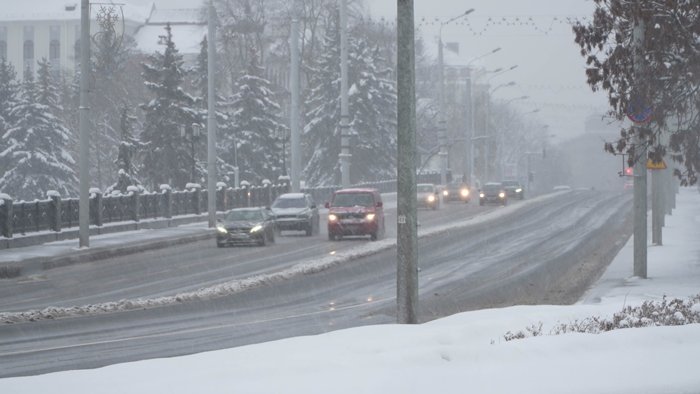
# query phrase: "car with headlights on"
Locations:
[[296, 212], [493, 193], [356, 212], [513, 189], [428, 196], [456, 192], [246, 226]]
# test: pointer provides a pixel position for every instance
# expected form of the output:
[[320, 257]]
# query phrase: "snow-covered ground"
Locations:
[[458, 354]]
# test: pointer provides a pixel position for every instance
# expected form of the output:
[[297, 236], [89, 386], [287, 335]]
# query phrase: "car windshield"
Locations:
[[244, 215], [510, 183], [353, 200], [290, 203], [454, 186], [425, 188], [492, 188]]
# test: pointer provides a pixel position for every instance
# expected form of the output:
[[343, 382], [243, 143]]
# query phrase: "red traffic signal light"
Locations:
[[629, 171]]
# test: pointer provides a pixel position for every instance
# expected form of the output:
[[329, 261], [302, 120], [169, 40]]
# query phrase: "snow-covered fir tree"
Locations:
[[321, 134], [128, 148], [8, 96], [372, 110], [255, 126], [169, 155], [39, 160], [372, 101]]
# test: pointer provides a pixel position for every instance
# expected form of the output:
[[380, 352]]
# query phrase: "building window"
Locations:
[[55, 57], [29, 55], [3, 50]]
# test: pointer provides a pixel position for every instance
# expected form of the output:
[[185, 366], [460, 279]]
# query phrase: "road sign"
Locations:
[[656, 166], [639, 111]]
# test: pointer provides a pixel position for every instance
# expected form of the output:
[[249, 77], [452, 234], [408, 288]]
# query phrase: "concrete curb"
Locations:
[[36, 265]]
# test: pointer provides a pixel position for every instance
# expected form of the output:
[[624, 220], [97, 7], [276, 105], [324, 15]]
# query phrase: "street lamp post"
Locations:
[[469, 130], [488, 120], [442, 126], [471, 145], [192, 140]]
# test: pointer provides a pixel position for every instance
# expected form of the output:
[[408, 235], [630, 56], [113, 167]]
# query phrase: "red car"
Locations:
[[355, 212]]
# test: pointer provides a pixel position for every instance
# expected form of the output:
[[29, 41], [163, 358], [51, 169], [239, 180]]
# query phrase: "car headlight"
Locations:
[[482, 195], [445, 192], [332, 218], [256, 229], [431, 198], [222, 230], [501, 194], [370, 216], [518, 190], [465, 192]]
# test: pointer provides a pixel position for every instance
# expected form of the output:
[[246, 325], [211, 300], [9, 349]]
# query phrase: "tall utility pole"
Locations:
[[296, 132], [211, 117], [84, 205], [344, 114], [407, 215], [640, 166]]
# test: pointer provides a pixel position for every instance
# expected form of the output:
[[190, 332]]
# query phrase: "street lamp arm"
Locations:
[[469, 11]]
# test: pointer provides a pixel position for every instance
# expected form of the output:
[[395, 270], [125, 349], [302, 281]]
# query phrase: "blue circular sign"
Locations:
[[639, 111]]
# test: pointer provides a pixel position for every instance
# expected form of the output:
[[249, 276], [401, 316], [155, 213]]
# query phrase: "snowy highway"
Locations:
[[530, 256]]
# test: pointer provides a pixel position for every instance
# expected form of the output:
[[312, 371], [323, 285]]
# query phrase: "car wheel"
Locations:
[[272, 237], [373, 236], [220, 244], [263, 240], [309, 228], [481, 203]]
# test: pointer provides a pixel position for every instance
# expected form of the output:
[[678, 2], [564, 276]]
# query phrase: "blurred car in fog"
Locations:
[[514, 189], [246, 226], [296, 211], [456, 192], [428, 196], [493, 193]]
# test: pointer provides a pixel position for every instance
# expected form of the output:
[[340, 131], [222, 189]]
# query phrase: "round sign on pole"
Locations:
[[639, 111]]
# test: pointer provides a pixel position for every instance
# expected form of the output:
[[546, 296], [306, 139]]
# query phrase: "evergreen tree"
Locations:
[[321, 134], [39, 161], [255, 125], [128, 148], [8, 97], [170, 108], [372, 99], [372, 111]]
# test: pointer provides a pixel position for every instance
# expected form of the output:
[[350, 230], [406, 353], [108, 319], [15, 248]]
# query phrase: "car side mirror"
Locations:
[[380, 204], [328, 205]]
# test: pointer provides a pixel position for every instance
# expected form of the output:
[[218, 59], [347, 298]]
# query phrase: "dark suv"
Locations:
[[493, 193], [296, 211], [514, 189], [355, 212]]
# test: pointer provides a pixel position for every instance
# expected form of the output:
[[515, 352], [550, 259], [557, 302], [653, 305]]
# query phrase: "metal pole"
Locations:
[[296, 132], [528, 173], [84, 206], [640, 171], [486, 133], [657, 213], [344, 114], [193, 161], [211, 120], [407, 216], [469, 131], [442, 124]]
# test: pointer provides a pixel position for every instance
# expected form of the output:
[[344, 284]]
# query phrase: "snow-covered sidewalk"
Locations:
[[462, 353]]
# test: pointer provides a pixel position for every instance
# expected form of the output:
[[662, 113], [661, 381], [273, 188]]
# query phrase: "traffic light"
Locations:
[[531, 176], [629, 171]]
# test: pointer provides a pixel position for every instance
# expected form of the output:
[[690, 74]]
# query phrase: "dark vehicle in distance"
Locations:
[[355, 212], [296, 211], [246, 226], [428, 196], [493, 193], [514, 189], [456, 192]]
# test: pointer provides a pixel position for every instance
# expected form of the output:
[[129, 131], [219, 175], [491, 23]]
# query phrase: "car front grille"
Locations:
[[358, 215]]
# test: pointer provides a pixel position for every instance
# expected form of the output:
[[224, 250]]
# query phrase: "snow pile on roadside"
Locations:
[[237, 285]]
